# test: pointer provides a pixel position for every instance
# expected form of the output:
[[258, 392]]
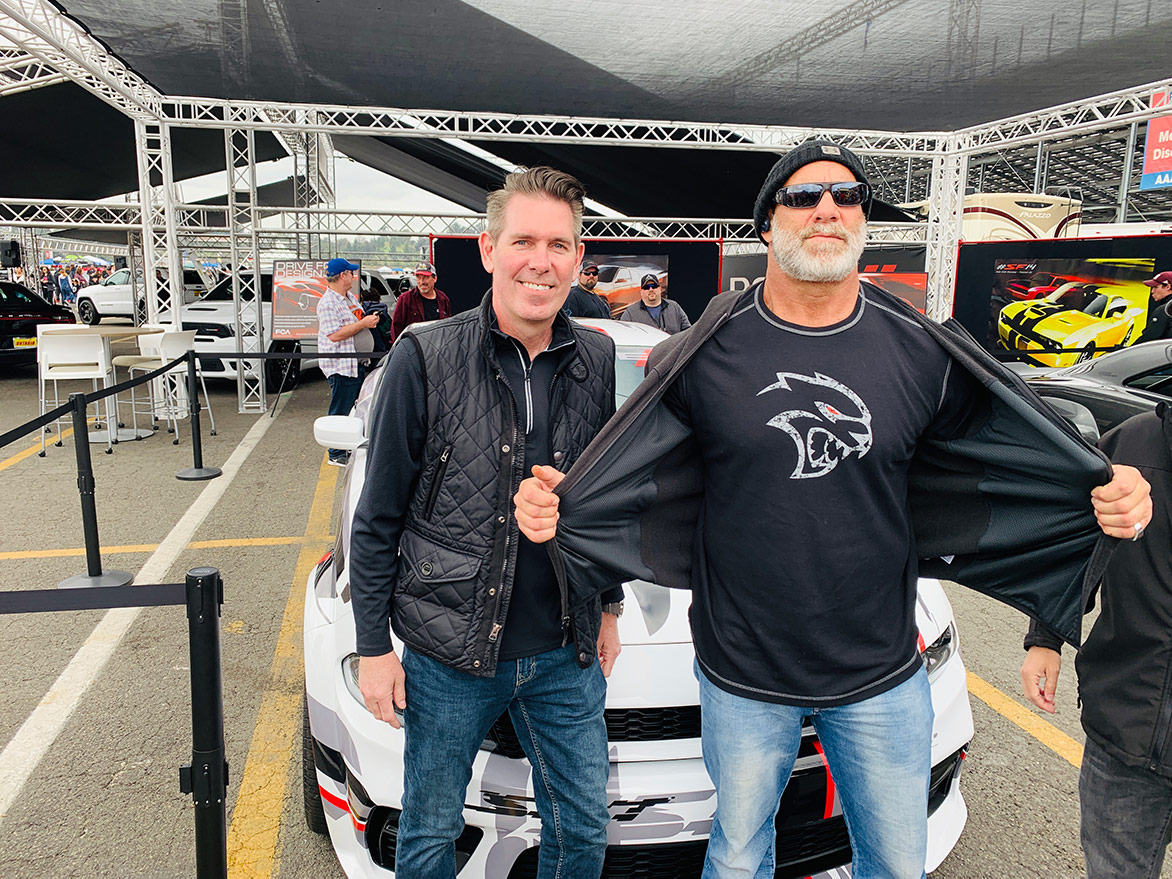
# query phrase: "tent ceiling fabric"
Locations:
[[69, 144], [876, 64]]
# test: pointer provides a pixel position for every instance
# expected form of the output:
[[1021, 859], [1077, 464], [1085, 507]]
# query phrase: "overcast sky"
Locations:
[[357, 186]]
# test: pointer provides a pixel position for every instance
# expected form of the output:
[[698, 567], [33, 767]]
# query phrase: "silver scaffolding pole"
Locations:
[[240, 154]]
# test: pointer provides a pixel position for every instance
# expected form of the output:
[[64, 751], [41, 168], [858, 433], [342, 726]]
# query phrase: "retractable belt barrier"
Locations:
[[206, 776]]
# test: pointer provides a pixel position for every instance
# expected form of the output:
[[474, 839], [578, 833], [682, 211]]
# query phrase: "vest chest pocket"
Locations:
[[437, 480]]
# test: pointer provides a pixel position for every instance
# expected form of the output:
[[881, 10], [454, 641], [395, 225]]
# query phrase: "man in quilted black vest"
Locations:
[[470, 406]]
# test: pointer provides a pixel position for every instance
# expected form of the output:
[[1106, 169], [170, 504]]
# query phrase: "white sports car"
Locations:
[[661, 799]]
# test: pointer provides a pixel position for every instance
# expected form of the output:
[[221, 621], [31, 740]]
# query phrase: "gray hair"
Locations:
[[542, 181]]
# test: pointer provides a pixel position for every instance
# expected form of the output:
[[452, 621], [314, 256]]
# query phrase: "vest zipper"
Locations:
[[495, 630], [437, 480]]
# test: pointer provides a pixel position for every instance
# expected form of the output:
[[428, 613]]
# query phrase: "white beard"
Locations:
[[824, 262]]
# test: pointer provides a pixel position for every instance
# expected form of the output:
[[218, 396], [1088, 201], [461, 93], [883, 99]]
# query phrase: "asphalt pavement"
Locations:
[[93, 789]]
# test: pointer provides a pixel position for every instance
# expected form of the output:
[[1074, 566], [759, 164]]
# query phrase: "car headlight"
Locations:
[[938, 652], [350, 676]]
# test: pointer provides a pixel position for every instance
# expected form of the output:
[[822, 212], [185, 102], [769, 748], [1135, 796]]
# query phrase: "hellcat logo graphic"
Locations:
[[840, 427]]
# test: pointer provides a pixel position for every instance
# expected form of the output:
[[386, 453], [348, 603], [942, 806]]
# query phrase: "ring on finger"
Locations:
[[1139, 531]]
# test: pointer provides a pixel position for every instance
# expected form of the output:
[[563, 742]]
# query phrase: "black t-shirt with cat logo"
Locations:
[[804, 566]]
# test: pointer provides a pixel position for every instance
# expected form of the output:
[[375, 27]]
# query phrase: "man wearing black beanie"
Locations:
[[806, 398]]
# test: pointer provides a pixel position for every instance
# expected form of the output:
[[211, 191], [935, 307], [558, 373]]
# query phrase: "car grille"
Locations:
[[811, 848], [211, 364], [622, 725], [942, 775]]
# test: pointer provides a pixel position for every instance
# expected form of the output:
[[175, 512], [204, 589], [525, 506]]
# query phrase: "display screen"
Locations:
[[1056, 303]]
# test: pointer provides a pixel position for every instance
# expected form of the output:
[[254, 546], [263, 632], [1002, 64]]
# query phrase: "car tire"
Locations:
[[87, 313], [1087, 355], [275, 369], [315, 810]]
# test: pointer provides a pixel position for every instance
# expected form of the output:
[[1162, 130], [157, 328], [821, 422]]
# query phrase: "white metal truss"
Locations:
[[44, 214], [198, 112], [244, 251], [945, 210], [1110, 110], [41, 30], [20, 72], [162, 266]]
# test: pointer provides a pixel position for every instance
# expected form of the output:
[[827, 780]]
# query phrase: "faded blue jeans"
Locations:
[[880, 756], [557, 710], [1126, 817]]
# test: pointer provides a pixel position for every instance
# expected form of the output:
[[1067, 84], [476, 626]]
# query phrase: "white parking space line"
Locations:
[[37, 734]]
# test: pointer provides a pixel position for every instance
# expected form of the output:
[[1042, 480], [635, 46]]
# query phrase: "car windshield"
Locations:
[[16, 296], [222, 292], [606, 274], [629, 368]]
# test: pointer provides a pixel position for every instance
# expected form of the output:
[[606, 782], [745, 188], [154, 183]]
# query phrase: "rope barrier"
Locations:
[[91, 598]]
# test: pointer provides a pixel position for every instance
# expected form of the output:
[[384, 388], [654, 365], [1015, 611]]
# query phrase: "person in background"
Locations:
[[583, 301], [423, 302], [1159, 325], [1124, 669], [655, 310], [65, 287], [342, 327]]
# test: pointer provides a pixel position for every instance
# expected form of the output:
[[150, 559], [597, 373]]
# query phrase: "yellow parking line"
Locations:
[[256, 820], [1012, 710], [30, 451], [151, 547]]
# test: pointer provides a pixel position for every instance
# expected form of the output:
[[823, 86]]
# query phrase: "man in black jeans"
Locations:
[[1125, 676]]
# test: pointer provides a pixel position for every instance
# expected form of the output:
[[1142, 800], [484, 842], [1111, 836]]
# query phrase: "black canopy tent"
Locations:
[[860, 64]]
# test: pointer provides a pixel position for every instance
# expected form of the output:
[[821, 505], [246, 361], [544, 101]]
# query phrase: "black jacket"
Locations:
[[1007, 503], [584, 303], [1125, 666], [457, 547], [672, 318]]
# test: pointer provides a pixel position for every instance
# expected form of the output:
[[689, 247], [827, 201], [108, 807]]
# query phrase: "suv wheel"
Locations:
[[87, 313], [275, 370]]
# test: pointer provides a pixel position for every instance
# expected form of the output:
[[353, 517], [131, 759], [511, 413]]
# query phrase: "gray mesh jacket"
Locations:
[[1004, 508]]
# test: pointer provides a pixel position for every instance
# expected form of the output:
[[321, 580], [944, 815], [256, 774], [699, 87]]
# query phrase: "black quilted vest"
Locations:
[[459, 543]]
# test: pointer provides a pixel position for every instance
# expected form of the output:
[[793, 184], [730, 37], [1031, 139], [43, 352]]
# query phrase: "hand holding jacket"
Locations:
[[536, 505]]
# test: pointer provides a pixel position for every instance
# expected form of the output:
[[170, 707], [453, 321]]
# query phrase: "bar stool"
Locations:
[[66, 356]]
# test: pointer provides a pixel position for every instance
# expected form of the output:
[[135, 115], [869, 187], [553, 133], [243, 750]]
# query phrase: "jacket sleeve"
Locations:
[[395, 458]]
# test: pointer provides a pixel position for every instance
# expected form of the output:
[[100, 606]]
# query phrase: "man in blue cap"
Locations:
[[342, 327]]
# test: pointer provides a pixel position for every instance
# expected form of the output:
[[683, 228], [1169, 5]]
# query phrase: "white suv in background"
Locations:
[[115, 296]]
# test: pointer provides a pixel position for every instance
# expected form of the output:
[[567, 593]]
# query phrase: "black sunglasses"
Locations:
[[807, 195], [650, 286], [590, 271]]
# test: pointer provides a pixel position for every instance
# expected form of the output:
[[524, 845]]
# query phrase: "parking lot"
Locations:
[[96, 717]]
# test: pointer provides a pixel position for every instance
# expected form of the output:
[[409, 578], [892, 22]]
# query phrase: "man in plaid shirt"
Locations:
[[342, 328]]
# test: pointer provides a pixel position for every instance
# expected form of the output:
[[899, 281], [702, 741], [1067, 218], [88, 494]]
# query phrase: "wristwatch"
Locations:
[[614, 607]]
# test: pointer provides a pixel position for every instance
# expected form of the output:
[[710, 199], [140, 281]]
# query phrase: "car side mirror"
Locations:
[[338, 432]]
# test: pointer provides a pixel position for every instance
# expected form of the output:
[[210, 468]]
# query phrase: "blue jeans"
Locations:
[[343, 394], [880, 756], [1126, 817], [557, 710]]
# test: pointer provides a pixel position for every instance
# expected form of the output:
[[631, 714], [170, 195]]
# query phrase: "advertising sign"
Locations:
[[1157, 173], [298, 284]]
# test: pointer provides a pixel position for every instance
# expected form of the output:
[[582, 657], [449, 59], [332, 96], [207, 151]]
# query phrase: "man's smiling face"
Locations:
[[532, 261]]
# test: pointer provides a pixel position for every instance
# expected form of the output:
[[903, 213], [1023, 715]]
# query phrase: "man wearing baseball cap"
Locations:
[[583, 301], [654, 310], [1159, 325], [342, 327], [803, 403], [422, 302]]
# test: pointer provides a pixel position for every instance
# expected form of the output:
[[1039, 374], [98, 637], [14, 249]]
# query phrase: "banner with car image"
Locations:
[[298, 284]]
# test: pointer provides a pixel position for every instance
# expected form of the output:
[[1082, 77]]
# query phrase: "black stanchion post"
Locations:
[[206, 777], [197, 470], [89, 510]]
